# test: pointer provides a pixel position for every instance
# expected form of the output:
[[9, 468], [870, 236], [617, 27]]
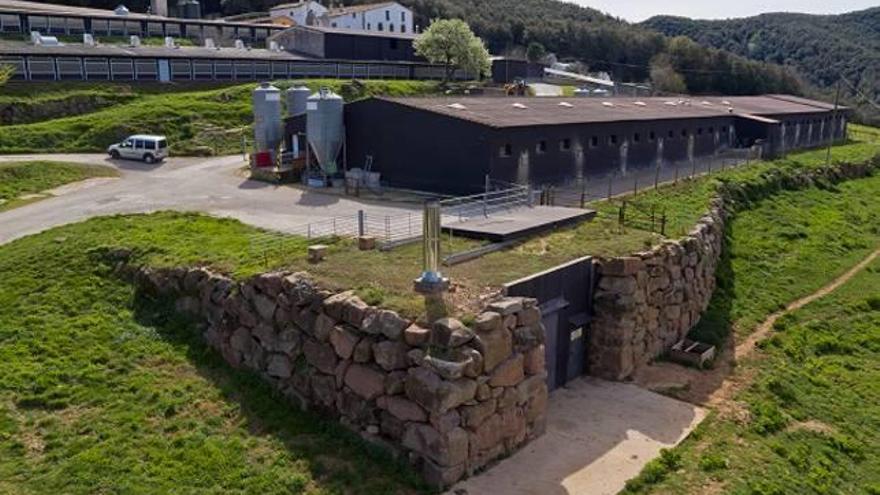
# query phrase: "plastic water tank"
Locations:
[[268, 126], [325, 128], [297, 97]]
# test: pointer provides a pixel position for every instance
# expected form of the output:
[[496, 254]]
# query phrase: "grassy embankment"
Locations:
[[23, 182], [809, 423], [197, 121]]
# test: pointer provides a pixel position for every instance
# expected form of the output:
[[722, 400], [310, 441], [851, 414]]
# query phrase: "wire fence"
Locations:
[[390, 230], [579, 193]]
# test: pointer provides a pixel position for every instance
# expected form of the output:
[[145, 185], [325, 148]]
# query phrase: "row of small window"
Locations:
[[380, 27], [792, 123], [565, 144]]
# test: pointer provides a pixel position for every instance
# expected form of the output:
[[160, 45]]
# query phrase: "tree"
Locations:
[[451, 43], [664, 78], [535, 52], [6, 72]]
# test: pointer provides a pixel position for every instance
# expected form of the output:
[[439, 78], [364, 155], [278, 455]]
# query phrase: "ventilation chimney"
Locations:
[[134, 41], [273, 46], [209, 43], [239, 45], [88, 39], [169, 42]]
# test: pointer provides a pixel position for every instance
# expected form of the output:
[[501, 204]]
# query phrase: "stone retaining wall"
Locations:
[[645, 303], [451, 399]]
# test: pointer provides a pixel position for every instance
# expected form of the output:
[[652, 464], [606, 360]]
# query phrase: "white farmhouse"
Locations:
[[304, 13], [391, 17]]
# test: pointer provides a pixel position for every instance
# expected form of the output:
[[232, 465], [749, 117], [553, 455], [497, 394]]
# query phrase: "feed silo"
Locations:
[[325, 128], [297, 97], [268, 126]]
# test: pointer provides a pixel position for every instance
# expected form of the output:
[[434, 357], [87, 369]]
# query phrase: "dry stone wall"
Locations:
[[645, 303], [450, 399]]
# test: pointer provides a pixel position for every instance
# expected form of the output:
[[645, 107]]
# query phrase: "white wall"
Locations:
[[388, 18], [300, 14]]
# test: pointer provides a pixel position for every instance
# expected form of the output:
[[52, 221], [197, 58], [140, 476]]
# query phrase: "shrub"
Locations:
[[713, 462], [767, 418]]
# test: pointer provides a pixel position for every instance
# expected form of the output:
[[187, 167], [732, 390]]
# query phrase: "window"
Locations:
[[699, 131], [403, 28], [403, 17], [637, 137], [333, 24], [565, 144], [387, 15], [369, 26], [711, 130], [354, 15], [139, 143], [150, 145], [671, 134], [594, 141], [505, 151], [684, 133], [380, 27], [723, 128], [612, 139], [542, 147], [652, 136], [391, 28], [163, 144]]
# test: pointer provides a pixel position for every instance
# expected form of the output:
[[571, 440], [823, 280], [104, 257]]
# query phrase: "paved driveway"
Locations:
[[599, 435], [210, 185]]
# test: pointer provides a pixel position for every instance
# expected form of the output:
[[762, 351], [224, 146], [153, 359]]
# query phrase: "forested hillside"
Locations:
[[820, 48], [630, 53]]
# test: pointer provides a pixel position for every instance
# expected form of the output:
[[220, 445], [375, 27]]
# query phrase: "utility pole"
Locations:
[[833, 124]]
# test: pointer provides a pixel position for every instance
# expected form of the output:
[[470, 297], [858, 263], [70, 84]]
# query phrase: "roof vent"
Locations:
[[607, 104], [670, 103], [565, 104], [457, 106], [121, 10], [725, 102], [704, 102], [640, 104], [520, 106]]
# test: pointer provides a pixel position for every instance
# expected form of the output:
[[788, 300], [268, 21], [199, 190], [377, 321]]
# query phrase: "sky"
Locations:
[[639, 10]]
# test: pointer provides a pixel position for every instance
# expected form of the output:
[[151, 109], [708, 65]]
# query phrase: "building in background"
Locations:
[[390, 17], [347, 44]]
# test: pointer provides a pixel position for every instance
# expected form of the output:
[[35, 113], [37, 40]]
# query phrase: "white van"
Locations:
[[150, 149]]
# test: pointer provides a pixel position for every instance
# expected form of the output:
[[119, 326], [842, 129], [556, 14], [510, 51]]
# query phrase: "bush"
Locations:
[[767, 418], [713, 462]]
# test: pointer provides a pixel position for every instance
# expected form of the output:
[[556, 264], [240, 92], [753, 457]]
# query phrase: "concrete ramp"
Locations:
[[599, 435]]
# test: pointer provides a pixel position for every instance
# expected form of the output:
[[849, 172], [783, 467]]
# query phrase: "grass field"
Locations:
[[101, 395], [197, 121], [810, 423], [19, 179]]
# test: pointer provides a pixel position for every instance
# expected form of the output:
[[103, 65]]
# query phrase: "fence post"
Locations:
[[656, 178], [693, 168], [610, 185], [583, 195], [663, 224], [636, 186], [621, 216], [361, 221], [675, 177], [653, 223]]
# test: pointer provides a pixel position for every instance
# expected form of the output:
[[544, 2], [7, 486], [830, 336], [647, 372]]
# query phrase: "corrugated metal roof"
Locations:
[[521, 112], [67, 10], [80, 50]]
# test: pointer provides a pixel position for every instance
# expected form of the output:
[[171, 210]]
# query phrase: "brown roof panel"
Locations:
[[521, 112]]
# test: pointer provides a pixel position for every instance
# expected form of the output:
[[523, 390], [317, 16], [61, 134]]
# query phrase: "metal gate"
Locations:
[[564, 294]]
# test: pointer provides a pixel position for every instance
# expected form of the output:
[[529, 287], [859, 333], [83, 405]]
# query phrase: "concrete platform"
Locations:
[[520, 222], [599, 435]]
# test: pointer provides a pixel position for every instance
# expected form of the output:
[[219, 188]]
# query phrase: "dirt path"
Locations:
[[717, 388]]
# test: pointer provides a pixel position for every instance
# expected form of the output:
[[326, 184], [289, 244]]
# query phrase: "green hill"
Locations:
[[819, 47]]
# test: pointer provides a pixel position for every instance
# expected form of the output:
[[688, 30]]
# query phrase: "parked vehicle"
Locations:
[[150, 149]]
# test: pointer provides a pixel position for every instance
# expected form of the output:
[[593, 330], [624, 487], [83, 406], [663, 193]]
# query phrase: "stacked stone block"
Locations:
[[451, 399]]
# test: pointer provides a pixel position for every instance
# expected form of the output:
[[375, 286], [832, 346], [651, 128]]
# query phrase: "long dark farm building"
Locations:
[[450, 144]]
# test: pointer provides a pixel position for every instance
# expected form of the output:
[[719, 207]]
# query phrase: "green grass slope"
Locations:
[[810, 422], [103, 394], [196, 121], [18, 179]]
